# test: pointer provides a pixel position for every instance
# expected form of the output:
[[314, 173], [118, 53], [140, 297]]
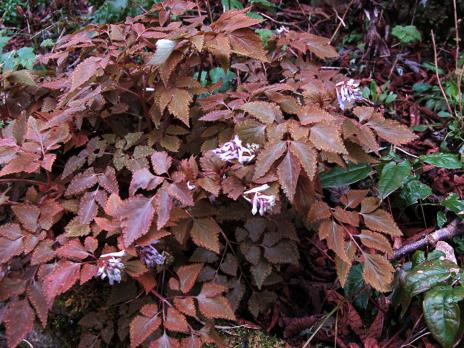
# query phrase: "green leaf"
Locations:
[[26, 57], [231, 4], [3, 41], [393, 177], [453, 203], [218, 74], [265, 35], [414, 190], [264, 3], [421, 87], [407, 34], [442, 314], [441, 219], [443, 160], [429, 274], [339, 176], [355, 288]]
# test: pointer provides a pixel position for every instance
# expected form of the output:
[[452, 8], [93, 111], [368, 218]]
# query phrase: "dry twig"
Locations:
[[455, 228]]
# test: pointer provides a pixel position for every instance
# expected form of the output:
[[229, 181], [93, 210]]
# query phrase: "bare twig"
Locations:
[[437, 75], [458, 71], [342, 21], [455, 228]]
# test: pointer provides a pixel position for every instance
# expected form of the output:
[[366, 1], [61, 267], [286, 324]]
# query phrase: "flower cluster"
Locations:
[[111, 267], [261, 203], [150, 256], [234, 150], [348, 93]]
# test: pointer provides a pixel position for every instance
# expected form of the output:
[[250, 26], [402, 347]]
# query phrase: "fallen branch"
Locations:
[[455, 228]]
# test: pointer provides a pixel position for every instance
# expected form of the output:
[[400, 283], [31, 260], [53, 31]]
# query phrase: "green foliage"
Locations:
[[9, 13], [434, 278], [407, 34], [265, 35], [453, 203], [355, 288], [443, 160], [379, 95], [338, 176], [392, 177], [414, 190], [112, 11], [24, 58], [231, 4]]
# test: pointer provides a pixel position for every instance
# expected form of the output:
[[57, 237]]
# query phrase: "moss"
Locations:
[[242, 337]]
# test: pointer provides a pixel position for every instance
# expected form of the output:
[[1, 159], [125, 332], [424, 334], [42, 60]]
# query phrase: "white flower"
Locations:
[[260, 202], [234, 151], [191, 186], [111, 267], [150, 255], [348, 93], [164, 48], [281, 30]]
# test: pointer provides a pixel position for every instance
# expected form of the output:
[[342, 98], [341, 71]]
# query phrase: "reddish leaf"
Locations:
[[267, 157], [175, 321], [205, 233], [289, 171], [263, 111], [88, 208], [43, 252], [182, 193], [215, 307], [27, 215], [144, 179], [88, 272], [72, 250], [61, 279], [24, 162], [108, 180], [19, 322], [82, 182], [382, 221], [185, 305], [137, 215], [163, 207], [144, 325], [161, 162], [188, 275], [36, 296]]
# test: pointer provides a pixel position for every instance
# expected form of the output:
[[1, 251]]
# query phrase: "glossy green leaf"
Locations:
[[429, 274], [441, 219], [453, 203], [443, 315], [392, 177], [338, 176], [443, 160], [355, 288], [414, 190], [231, 4]]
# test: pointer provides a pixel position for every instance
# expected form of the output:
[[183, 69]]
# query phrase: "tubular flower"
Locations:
[[234, 151], [348, 93], [150, 256], [111, 267], [260, 202]]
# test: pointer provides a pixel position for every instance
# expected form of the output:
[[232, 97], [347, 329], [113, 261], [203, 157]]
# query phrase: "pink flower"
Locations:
[[234, 151], [348, 93], [260, 202], [150, 256]]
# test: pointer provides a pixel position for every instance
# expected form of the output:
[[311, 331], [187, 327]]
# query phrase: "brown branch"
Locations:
[[455, 228]]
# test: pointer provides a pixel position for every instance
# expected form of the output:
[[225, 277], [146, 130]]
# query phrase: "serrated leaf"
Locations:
[[327, 137], [215, 307], [307, 156], [413, 191], [335, 236], [61, 279], [179, 105], [82, 182], [188, 275], [186, 305], [175, 321], [205, 233], [378, 272], [289, 171], [19, 322], [260, 272], [342, 267], [338, 176], [161, 162], [137, 215], [443, 314], [144, 325], [375, 241], [381, 221], [263, 111], [392, 177], [37, 298], [392, 131], [267, 157]]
